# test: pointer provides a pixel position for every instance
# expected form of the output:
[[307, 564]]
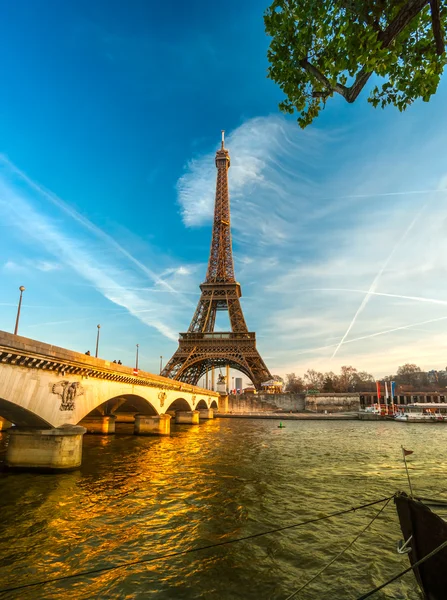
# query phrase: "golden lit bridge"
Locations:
[[53, 395]]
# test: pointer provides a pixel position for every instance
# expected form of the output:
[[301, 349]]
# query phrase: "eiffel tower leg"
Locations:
[[236, 315]]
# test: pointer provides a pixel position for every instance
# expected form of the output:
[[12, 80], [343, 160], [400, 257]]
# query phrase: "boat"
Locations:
[[422, 412], [377, 412], [423, 532]]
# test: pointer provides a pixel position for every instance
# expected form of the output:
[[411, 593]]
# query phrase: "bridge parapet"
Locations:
[[33, 354]]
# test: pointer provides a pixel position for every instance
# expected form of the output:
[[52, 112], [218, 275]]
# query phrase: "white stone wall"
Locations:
[[266, 402], [333, 402]]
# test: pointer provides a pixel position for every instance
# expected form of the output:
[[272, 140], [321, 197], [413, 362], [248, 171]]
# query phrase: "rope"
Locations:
[[198, 549], [399, 575], [351, 543]]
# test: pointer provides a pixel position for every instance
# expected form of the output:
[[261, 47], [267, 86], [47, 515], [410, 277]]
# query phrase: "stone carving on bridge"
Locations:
[[162, 397], [209, 401], [193, 400], [68, 392]]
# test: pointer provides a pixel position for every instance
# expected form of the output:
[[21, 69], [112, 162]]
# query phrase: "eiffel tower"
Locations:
[[202, 349]]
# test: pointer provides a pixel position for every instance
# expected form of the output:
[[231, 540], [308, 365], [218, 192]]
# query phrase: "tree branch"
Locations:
[[397, 25], [436, 26], [406, 14], [338, 87]]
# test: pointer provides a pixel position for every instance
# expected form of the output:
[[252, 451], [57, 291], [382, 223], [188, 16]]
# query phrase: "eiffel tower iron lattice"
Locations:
[[201, 348]]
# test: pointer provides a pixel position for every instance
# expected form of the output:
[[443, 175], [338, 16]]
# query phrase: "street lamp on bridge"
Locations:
[[22, 289], [136, 361], [161, 364], [97, 341]]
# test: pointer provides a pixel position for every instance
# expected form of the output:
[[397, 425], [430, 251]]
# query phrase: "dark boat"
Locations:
[[423, 531]]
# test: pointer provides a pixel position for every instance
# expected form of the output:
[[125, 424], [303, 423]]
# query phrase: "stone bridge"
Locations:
[[53, 395]]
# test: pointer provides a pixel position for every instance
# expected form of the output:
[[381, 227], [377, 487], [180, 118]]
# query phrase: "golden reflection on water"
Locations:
[[141, 496]]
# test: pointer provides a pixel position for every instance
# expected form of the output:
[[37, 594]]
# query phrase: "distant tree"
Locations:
[[294, 384], [330, 382], [363, 382], [314, 379], [437, 379], [323, 47], [409, 374], [346, 379]]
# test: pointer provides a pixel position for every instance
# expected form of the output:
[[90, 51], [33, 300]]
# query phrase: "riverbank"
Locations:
[[290, 416]]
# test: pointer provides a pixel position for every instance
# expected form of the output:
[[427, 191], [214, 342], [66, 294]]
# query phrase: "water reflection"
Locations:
[[140, 496]]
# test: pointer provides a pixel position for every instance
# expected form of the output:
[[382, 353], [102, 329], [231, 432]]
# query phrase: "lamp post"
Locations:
[[22, 289], [161, 364], [97, 341], [136, 361]]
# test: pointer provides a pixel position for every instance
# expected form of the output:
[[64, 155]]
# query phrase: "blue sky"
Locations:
[[109, 119]]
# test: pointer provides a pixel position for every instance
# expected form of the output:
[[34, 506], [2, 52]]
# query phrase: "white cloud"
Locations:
[[46, 266], [12, 266], [82, 250], [268, 180], [312, 239]]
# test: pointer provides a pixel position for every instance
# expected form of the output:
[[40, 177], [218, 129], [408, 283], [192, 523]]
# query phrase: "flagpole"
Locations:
[[406, 468], [386, 398]]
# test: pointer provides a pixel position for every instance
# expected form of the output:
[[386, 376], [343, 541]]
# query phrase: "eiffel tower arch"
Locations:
[[202, 349]]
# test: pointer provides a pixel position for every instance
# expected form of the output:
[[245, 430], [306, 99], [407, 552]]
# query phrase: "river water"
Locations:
[[137, 497]]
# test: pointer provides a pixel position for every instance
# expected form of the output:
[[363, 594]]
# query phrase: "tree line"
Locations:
[[408, 378]]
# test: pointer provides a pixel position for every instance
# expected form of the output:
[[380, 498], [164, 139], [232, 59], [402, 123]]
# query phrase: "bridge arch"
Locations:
[[20, 416], [131, 403], [214, 404], [201, 404], [179, 404]]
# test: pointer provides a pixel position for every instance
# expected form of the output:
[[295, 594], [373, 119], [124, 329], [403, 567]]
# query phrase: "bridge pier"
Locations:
[[4, 424], [223, 403], [206, 413], [103, 424], [122, 417], [58, 449], [152, 425], [187, 417]]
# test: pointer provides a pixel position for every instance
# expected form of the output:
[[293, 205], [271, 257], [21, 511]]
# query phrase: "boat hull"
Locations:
[[418, 420], [428, 531]]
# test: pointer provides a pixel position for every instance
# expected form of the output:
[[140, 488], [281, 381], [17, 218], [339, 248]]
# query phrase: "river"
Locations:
[[136, 497]]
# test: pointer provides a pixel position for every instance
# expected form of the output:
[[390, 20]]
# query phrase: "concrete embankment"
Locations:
[[332, 403], [290, 417]]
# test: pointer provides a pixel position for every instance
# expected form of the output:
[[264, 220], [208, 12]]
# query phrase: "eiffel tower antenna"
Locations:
[[201, 348]]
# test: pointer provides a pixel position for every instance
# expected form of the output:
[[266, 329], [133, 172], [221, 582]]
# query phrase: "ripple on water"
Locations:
[[137, 496]]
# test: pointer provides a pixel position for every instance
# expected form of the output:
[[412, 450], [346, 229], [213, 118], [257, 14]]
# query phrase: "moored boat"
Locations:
[[421, 412], [376, 412], [423, 532]]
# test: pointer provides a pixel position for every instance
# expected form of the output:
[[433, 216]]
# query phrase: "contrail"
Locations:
[[384, 194], [400, 296], [371, 335], [90, 226], [376, 280]]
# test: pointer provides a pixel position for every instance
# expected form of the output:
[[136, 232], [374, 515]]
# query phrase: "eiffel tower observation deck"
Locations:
[[201, 349]]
